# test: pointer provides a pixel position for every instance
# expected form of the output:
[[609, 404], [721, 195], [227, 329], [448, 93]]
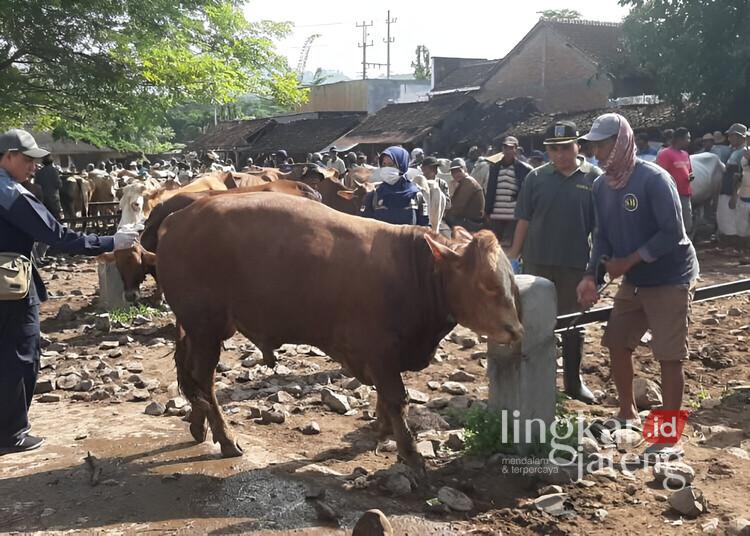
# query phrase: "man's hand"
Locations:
[[619, 266], [587, 293]]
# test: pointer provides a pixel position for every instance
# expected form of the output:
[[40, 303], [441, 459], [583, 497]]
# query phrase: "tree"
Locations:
[[421, 65], [560, 14], [697, 50], [108, 72]]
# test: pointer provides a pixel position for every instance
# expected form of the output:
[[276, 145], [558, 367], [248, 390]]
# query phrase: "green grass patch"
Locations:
[[127, 314]]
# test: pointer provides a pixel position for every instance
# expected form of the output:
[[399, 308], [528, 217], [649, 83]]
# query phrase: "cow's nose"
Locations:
[[515, 331]]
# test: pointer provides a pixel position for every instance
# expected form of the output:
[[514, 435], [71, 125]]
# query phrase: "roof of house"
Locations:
[[304, 136], [229, 135], [602, 41], [640, 116], [466, 76], [404, 123]]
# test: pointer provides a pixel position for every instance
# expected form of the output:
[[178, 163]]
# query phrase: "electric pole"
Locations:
[[388, 40], [363, 45]]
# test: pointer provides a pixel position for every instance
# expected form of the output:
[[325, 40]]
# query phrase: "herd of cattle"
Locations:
[[261, 252]]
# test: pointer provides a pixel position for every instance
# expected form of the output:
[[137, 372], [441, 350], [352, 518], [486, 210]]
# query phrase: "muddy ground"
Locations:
[[146, 474]]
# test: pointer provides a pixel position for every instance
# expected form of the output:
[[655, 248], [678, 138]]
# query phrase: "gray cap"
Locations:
[[605, 126], [20, 140], [738, 128], [457, 163]]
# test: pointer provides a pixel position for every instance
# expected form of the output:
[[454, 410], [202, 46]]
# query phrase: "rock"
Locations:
[[336, 402], [468, 341], [68, 382], [455, 499], [627, 439], [272, 417], [282, 370], [282, 398], [134, 367], [326, 512], [389, 445], [311, 428], [103, 323], [455, 388], [49, 397], [421, 419], [710, 525], [735, 311], [631, 489], [605, 473], [65, 313], [462, 376], [177, 403], [549, 490], [456, 441], [139, 395], [426, 449], [460, 403], [738, 453], [600, 514], [362, 392], [109, 345], [553, 503], [647, 393], [397, 484], [155, 408], [688, 501], [353, 384], [44, 385], [674, 474], [438, 403], [710, 321], [222, 367], [739, 527], [85, 385], [141, 320], [433, 385], [417, 397], [710, 403], [373, 523], [114, 353]]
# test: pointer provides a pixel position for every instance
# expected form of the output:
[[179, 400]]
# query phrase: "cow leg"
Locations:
[[189, 387], [269, 357], [204, 356], [385, 428], [392, 397]]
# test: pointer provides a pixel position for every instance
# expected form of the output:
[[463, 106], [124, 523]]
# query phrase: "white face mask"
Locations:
[[386, 174]]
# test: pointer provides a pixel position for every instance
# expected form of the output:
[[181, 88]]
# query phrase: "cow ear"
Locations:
[[346, 194], [440, 251], [148, 258], [459, 233], [106, 258]]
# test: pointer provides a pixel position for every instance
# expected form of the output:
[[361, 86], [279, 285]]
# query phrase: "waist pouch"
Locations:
[[15, 276]]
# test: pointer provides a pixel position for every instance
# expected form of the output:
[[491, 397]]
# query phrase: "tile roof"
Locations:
[[304, 136], [467, 76], [229, 135], [600, 40]]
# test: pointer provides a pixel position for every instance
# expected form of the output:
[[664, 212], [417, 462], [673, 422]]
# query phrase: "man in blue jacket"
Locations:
[[639, 230], [397, 199], [23, 221]]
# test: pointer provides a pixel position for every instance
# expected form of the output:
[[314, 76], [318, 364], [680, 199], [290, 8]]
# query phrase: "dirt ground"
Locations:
[[147, 476]]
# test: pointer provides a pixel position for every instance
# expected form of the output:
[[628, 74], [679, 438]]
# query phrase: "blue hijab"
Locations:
[[400, 194]]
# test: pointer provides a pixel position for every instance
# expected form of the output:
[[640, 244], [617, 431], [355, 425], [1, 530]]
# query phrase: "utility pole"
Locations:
[[388, 40], [363, 45]]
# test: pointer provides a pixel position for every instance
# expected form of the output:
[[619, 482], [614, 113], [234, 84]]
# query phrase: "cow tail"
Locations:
[[185, 380]]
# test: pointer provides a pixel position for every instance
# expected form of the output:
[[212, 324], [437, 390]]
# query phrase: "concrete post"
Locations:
[[522, 377], [110, 287]]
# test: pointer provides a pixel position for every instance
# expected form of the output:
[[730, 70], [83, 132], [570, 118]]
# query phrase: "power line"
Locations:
[[364, 45]]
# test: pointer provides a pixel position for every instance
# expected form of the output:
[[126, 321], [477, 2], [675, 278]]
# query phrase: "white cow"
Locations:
[[708, 172]]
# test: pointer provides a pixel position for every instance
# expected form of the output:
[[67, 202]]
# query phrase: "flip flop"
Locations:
[[662, 452], [618, 423]]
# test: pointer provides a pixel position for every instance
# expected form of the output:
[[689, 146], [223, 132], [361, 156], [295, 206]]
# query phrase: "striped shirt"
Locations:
[[505, 195]]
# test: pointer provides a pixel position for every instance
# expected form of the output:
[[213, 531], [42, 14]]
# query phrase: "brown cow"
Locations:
[[136, 262], [221, 272]]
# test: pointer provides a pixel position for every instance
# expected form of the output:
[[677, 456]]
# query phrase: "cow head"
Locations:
[[133, 263], [478, 283]]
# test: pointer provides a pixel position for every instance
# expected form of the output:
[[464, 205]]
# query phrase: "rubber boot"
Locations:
[[572, 350]]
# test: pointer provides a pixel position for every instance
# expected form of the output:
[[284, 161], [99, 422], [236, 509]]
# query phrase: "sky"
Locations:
[[469, 28]]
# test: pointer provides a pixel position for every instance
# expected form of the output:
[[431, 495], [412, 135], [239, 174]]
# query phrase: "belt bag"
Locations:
[[15, 276]]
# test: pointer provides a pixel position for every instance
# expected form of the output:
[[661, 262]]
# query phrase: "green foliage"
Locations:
[[698, 49], [421, 64], [560, 14], [484, 432], [109, 71], [126, 315]]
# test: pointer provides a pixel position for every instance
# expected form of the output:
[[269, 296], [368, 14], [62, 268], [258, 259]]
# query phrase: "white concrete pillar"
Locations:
[[110, 287], [522, 377]]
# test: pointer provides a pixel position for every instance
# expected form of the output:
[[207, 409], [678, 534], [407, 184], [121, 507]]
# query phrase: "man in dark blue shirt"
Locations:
[[639, 230], [23, 221]]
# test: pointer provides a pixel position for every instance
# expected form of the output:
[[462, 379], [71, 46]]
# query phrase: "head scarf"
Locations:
[[621, 161]]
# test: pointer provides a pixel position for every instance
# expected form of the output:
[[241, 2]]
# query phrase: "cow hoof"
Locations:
[[231, 449], [198, 430]]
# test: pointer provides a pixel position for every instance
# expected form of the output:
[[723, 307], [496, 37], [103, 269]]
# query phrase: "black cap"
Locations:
[[561, 132], [430, 161]]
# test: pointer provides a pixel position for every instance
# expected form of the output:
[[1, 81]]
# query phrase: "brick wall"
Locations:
[[548, 69]]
